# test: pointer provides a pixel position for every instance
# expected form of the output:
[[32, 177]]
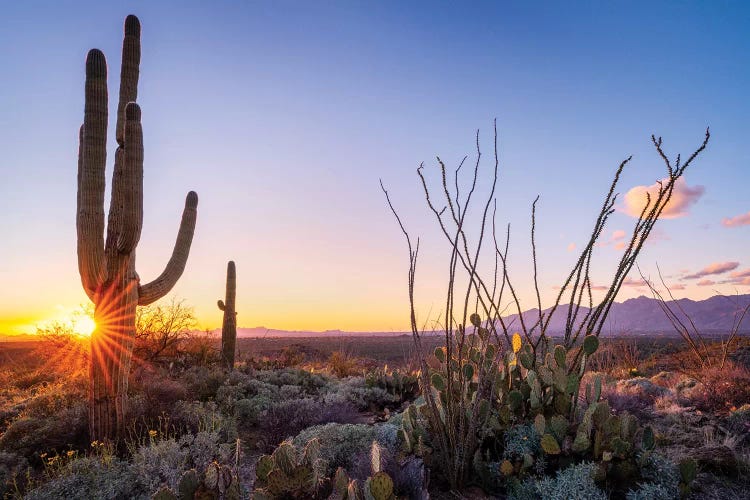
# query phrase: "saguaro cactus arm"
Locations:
[[158, 288], [91, 164], [129, 71], [132, 181]]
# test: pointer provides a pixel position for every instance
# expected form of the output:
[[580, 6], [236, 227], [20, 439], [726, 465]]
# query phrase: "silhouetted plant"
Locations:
[[106, 262], [160, 329], [460, 390], [229, 324]]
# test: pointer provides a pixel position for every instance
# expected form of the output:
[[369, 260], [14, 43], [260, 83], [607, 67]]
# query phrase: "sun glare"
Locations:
[[84, 326]]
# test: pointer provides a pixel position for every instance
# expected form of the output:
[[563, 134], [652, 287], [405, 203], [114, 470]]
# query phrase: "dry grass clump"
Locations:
[[342, 365]]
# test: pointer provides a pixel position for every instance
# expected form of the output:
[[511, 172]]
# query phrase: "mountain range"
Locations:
[[645, 315], [638, 315]]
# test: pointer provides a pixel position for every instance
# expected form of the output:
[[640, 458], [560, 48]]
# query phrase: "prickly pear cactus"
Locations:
[[188, 484], [381, 486], [291, 473]]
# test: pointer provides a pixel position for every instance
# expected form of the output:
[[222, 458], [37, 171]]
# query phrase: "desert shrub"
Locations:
[[340, 443], [287, 418], [248, 410], [356, 391], [636, 395], [311, 383], [28, 436], [54, 398], [576, 481], [205, 448], [291, 356], [738, 421], [520, 440], [11, 467], [228, 395], [203, 382], [651, 491], [163, 461], [665, 379], [661, 480], [158, 395], [720, 389], [194, 417], [90, 478], [342, 365]]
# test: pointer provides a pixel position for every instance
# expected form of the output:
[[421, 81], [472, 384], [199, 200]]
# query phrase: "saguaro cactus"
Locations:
[[107, 264], [229, 325]]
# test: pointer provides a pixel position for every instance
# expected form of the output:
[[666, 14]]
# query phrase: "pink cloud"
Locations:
[[737, 220], [678, 286], [614, 240], [706, 282], [714, 268], [682, 197], [745, 273], [631, 282], [571, 247]]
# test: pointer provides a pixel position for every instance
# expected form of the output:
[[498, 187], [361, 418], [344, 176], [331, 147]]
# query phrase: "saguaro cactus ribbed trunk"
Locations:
[[107, 264], [229, 325]]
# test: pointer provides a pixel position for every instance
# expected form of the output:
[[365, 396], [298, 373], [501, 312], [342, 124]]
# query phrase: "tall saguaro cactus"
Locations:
[[229, 325], [106, 263]]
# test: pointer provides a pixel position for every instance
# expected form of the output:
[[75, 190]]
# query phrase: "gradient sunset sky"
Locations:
[[284, 115]]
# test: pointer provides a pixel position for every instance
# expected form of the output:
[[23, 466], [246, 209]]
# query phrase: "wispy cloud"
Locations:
[[678, 286], [631, 282], [571, 247], [615, 240], [738, 278], [706, 282], [714, 268], [737, 220], [683, 196], [737, 281]]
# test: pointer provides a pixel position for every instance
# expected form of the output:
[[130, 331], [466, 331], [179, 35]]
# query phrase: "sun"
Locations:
[[83, 326]]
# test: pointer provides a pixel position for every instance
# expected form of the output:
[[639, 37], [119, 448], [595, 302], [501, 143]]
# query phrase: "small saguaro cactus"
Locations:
[[106, 263], [229, 325]]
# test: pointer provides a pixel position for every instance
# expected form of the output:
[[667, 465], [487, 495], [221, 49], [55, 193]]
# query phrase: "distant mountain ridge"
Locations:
[[639, 315], [644, 314]]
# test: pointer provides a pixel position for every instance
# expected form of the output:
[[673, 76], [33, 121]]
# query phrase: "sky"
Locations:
[[284, 116]]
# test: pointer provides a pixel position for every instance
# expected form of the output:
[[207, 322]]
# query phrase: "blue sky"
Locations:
[[284, 115]]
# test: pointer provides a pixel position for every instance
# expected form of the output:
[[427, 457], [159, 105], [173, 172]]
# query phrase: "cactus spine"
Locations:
[[229, 325], [106, 263]]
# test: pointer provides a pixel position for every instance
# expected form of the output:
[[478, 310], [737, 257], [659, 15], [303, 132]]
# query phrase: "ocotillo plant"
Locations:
[[107, 262], [229, 325]]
